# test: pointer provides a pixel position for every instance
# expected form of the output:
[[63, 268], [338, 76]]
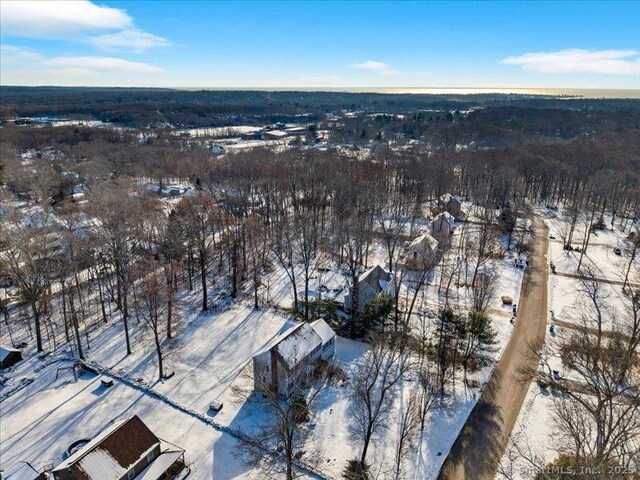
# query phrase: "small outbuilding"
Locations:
[[9, 356]]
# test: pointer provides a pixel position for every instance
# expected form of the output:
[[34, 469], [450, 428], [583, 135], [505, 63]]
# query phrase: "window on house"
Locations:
[[131, 473], [150, 456]]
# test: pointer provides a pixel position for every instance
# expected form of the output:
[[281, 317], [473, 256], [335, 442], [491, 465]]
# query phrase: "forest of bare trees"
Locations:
[[124, 255]]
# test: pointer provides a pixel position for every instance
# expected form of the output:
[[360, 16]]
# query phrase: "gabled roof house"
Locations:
[[371, 284], [422, 252], [125, 450], [288, 361]]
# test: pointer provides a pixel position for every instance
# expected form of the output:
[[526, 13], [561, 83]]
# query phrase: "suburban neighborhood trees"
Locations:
[[372, 391]]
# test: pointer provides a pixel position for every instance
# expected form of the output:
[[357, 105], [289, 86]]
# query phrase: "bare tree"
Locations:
[[448, 335], [30, 258], [201, 220], [632, 258], [282, 246], [485, 242], [257, 250], [408, 428], [115, 236], [282, 428], [483, 288], [373, 389], [151, 305], [600, 418]]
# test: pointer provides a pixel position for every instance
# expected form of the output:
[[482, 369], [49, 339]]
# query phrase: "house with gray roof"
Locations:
[[371, 284], [288, 362]]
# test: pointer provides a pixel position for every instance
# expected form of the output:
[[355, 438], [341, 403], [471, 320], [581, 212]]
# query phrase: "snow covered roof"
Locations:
[[323, 329], [298, 341], [424, 244], [6, 351], [377, 277], [113, 452], [447, 197], [297, 345], [446, 216], [275, 134], [160, 465]]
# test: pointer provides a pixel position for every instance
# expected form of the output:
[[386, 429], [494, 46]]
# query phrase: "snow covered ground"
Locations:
[[41, 420], [534, 434], [208, 355]]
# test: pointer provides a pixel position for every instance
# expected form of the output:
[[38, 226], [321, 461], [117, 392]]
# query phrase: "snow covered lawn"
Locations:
[[40, 421], [207, 355], [533, 434]]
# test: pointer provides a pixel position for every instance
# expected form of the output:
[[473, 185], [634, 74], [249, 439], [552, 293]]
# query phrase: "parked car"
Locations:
[[617, 250]]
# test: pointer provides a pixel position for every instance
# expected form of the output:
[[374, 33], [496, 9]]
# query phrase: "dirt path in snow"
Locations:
[[601, 280], [594, 331], [481, 443]]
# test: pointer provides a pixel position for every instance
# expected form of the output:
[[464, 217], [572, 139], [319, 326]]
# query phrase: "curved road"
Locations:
[[477, 451]]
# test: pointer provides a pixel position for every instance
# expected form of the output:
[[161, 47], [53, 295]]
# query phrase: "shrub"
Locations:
[[300, 409], [356, 470]]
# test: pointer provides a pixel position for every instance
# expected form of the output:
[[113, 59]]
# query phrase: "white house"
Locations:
[[371, 284], [422, 252], [290, 359], [442, 227]]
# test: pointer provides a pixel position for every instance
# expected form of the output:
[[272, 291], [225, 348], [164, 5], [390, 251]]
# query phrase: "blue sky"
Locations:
[[321, 44]]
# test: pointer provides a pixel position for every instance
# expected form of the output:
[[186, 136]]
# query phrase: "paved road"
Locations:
[[482, 441]]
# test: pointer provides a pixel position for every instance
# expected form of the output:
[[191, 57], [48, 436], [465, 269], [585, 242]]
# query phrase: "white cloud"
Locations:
[[372, 65], [58, 19], [108, 29], [612, 62], [102, 63], [69, 72], [381, 68], [129, 39], [11, 54], [321, 79]]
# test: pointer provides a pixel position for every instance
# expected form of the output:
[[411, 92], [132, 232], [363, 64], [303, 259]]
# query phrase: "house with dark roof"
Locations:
[[453, 204], [125, 450], [9, 357], [371, 284], [288, 362]]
